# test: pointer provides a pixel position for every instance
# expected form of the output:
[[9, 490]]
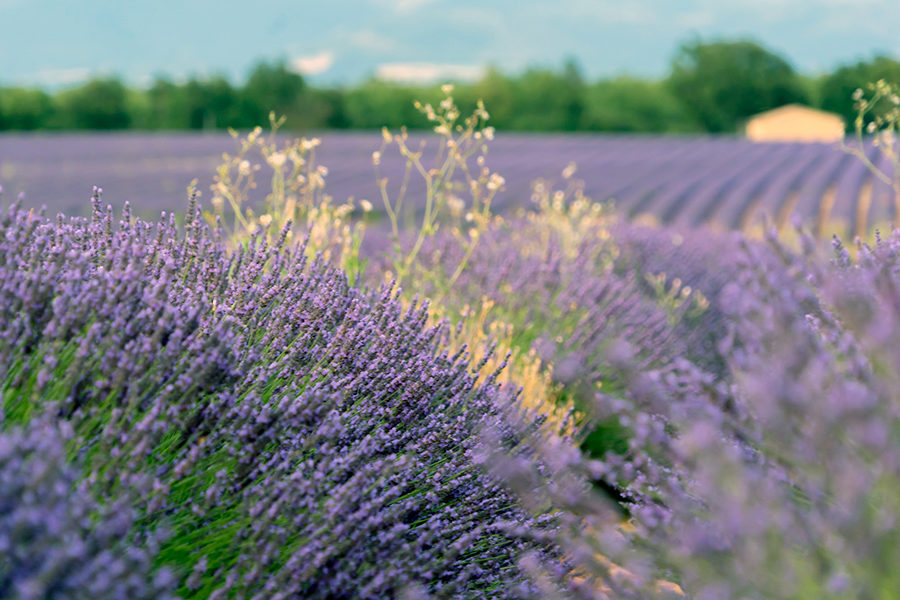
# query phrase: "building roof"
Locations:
[[795, 123]]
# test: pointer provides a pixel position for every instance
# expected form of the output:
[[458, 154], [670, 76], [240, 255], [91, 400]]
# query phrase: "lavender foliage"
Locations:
[[242, 424], [571, 304], [580, 304], [702, 261], [180, 420], [56, 538], [781, 478]]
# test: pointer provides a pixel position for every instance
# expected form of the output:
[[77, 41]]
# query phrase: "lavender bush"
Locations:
[[780, 479], [560, 282], [704, 263], [58, 540], [241, 424]]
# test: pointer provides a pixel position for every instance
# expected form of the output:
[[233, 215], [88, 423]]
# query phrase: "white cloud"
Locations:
[[425, 72], [313, 64], [53, 77]]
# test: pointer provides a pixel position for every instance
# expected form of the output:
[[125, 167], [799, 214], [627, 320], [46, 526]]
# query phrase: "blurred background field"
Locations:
[[727, 182]]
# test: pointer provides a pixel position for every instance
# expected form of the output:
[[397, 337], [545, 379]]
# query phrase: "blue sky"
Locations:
[[54, 43]]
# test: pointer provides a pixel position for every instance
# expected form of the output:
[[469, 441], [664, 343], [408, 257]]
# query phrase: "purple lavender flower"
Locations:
[[778, 478], [248, 423]]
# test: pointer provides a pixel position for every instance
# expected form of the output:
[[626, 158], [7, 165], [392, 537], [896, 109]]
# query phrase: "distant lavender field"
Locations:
[[685, 181]]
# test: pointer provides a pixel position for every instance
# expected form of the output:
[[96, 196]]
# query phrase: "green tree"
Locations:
[[498, 93], [836, 88], [97, 104], [546, 100], [24, 109], [377, 103], [722, 83], [271, 87], [211, 103], [324, 109], [166, 105], [627, 104]]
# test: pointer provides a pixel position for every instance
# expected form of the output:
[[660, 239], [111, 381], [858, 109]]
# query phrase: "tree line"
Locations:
[[712, 86]]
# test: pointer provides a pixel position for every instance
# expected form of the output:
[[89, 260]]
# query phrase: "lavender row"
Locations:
[[755, 445], [777, 477], [179, 420], [248, 424], [683, 180]]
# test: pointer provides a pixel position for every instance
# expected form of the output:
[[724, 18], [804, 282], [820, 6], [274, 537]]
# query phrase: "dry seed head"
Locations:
[[277, 159], [456, 205], [480, 111], [495, 182], [308, 144]]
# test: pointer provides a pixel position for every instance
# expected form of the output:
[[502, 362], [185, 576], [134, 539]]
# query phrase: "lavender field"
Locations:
[[690, 181], [240, 398]]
